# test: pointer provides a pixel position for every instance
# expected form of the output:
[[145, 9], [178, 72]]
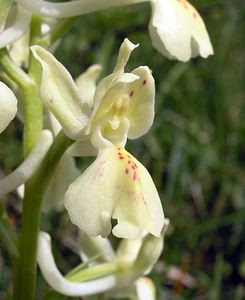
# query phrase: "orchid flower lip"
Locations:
[[115, 186]]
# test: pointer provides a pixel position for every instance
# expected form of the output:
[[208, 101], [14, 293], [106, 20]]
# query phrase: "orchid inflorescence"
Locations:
[[115, 194]]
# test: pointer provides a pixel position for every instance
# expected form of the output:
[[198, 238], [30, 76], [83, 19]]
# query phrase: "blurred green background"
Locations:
[[195, 150]]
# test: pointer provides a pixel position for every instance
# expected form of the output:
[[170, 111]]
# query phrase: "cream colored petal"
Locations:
[[117, 76], [115, 186], [28, 167], [17, 23], [96, 248], [148, 255], [145, 289], [123, 96], [61, 95], [86, 83], [124, 53], [8, 106], [142, 101], [127, 252], [66, 172], [61, 284], [178, 31], [72, 8]]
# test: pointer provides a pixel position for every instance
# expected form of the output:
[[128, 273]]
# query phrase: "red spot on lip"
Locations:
[[144, 82], [131, 94], [133, 167], [129, 162], [121, 157], [135, 176], [126, 170]]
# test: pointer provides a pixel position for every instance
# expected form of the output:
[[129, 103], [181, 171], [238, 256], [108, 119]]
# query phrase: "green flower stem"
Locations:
[[25, 267], [14, 71], [32, 102]]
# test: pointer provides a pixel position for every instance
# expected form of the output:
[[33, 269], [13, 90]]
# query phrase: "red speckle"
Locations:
[[194, 15], [126, 171], [131, 94], [135, 176], [132, 167], [144, 82], [121, 157], [129, 162]]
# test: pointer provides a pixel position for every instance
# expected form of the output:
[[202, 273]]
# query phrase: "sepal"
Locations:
[[60, 94]]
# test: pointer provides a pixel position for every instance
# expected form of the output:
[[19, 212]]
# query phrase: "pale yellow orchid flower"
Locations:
[[123, 106], [116, 185], [176, 28]]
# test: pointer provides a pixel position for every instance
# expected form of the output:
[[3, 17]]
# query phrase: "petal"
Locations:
[[71, 8], [124, 53], [96, 248], [117, 76], [61, 284], [61, 95], [132, 100], [8, 106], [142, 101], [16, 25], [127, 251], [86, 83], [110, 90], [178, 31], [115, 186], [145, 289], [28, 166]]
